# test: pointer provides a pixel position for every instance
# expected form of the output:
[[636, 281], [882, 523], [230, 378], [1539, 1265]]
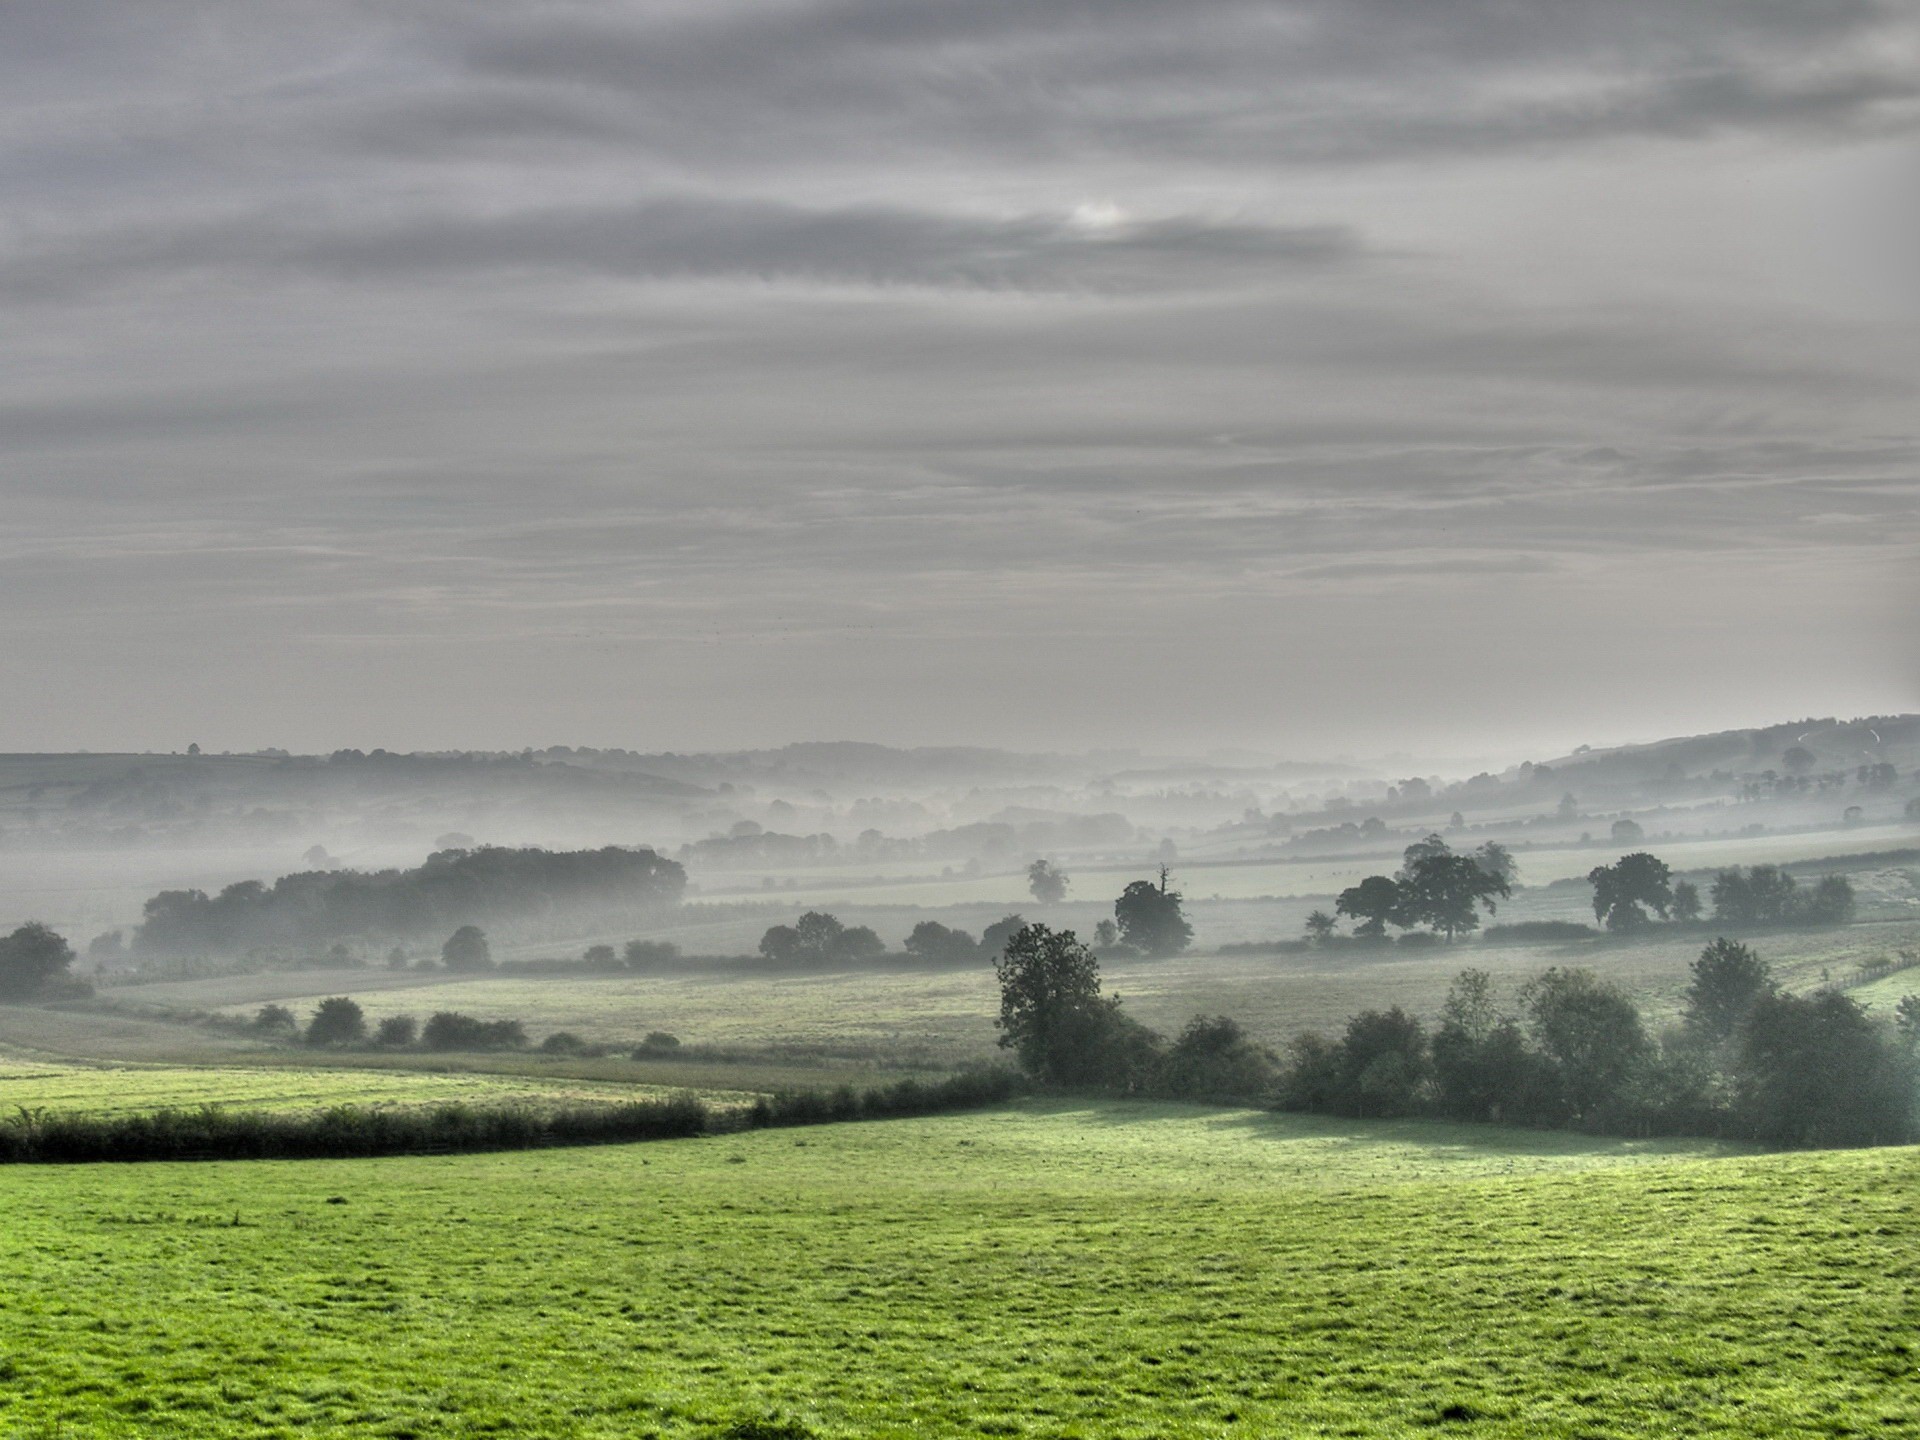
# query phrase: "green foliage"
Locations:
[[451, 1030], [33, 961], [1728, 980], [396, 1032], [1590, 1032], [1052, 1015], [1624, 891], [935, 943], [818, 938], [1150, 917], [467, 950], [337, 1021]]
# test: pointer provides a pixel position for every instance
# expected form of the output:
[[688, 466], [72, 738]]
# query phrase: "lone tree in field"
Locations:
[[467, 949], [1053, 1018], [337, 1021], [1446, 891], [1621, 889], [1320, 926], [32, 959], [1150, 918], [1373, 903], [1047, 882]]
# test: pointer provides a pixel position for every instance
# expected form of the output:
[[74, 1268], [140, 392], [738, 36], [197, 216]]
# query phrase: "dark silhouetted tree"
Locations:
[[467, 949], [1320, 926], [337, 1021], [1052, 1015], [33, 961], [396, 1032], [1150, 917], [1447, 892], [1686, 901], [935, 943], [993, 939], [1373, 903], [1728, 980], [1624, 891]]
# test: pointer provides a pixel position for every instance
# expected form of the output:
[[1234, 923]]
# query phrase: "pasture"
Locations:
[[1055, 1269], [288, 1089], [938, 1018]]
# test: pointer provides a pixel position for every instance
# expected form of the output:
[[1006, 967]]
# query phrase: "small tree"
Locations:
[[994, 938], [1320, 927], [467, 949], [817, 933], [1106, 934], [1372, 903], [600, 957], [1591, 1033], [1686, 901], [1627, 832], [1047, 882], [935, 943], [781, 943], [1150, 917], [33, 960], [1445, 891], [1728, 979], [1622, 888], [337, 1021], [396, 1032], [274, 1020], [1050, 1004]]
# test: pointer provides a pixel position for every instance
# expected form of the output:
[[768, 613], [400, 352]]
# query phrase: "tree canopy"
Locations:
[[1150, 917]]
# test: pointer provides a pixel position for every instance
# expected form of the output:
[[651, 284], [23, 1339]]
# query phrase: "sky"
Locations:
[[1317, 376]]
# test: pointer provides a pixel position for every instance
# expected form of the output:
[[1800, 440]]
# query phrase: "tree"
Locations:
[[274, 1020], [1213, 1059], [1373, 903], [1814, 1071], [1482, 1069], [337, 1021], [935, 943], [450, 1030], [1150, 918], [1622, 888], [1382, 1063], [856, 943], [1728, 979], [1106, 934], [396, 1032], [1627, 832], [1686, 901], [1798, 760], [33, 959], [1445, 891], [1568, 808], [817, 933], [1320, 926], [994, 938], [1434, 844], [467, 949], [1049, 1002], [1831, 902], [781, 943], [1589, 1031], [1047, 882], [1497, 859], [1764, 895]]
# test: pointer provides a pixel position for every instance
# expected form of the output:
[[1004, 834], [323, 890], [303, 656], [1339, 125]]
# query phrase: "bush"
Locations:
[[450, 1030], [337, 1021], [563, 1042], [274, 1020], [396, 1032], [657, 1042]]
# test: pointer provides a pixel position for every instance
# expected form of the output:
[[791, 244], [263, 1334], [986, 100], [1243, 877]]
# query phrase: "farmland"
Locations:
[[286, 1089], [1056, 1268], [942, 1017]]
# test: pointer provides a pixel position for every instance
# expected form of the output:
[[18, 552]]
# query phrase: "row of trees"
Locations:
[[452, 887], [1435, 887], [1630, 892], [1748, 1060], [339, 1022]]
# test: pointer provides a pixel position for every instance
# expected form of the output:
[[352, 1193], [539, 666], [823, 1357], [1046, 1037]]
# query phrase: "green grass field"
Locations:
[[102, 1090], [1049, 1270]]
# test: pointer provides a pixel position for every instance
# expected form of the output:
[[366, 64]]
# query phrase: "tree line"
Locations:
[[452, 887], [1748, 1060]]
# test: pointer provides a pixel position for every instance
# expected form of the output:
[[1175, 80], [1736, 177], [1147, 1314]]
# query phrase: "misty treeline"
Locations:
[[351, 1131], [1748, 1060], [452, 887], [747, 845]]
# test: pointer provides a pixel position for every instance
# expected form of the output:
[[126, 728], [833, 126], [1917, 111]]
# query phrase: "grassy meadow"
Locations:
[[287, 1089], [1054, 1269]]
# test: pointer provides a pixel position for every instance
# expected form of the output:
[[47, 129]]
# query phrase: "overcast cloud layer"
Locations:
[[1324, 376]]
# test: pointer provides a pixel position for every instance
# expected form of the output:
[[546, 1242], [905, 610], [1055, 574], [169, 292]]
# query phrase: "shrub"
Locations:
[[396, 1032], [450, 1030], [337, 1021], [563, 1042], [656, 1042]]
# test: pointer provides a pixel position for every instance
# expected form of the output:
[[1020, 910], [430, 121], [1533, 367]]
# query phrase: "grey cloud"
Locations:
[[682, 238]]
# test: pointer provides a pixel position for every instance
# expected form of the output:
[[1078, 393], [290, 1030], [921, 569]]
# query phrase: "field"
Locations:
[[1055, 1269], [936, 1018], [286, 1089]]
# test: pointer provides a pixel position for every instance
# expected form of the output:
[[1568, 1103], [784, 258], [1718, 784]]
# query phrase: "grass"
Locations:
[[1047, 1270], [95, 1090]]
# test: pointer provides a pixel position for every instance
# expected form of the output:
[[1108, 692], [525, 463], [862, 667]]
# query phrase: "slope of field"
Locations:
[[97, 1090], [1111, 1270], [945, 1017]]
